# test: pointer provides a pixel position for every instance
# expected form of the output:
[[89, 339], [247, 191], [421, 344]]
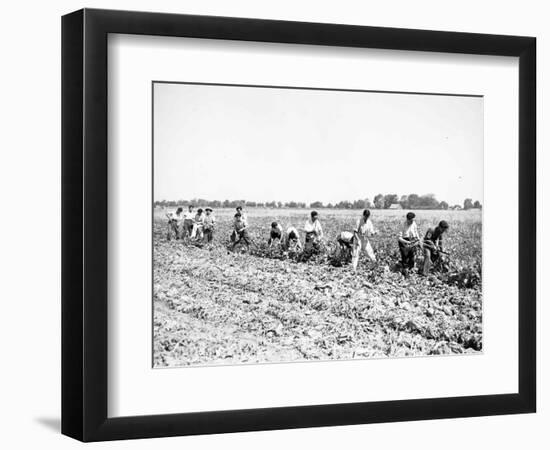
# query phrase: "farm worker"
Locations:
[[198, 223], [433, 245], [365, 229], [275, 233], [314, 234], [408, 241], [240, 231], [188, 220], [208, 227], [292, 238], [174, 221], [243, 217], [350, 245], [313, 228]]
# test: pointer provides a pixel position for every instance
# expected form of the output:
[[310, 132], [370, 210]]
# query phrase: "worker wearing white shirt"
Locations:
[[364, 225], [189, 220], [198, 224], [292, 238], [408, 242], [313, 228], [174, 221], [244, 217], [364, 229]]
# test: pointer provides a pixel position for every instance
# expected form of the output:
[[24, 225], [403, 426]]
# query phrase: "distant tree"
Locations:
[[428, 201], [404, 201], [344, 204], [379, 201], [468, 204], [477, 204], [414, 201], [389, 200]]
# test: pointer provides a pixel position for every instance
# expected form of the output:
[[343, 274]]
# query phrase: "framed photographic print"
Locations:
[[272, 224]]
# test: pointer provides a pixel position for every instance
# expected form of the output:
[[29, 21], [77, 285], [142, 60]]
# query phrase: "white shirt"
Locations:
[[278, 228], [199, 218], [346, 236], [175, 216], [311, 226], [292, 229], [209, 219], [365, 228], [189, 215], [244, 217], [409, 231]]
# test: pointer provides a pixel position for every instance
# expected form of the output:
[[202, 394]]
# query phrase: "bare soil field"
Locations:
[[213, 306]]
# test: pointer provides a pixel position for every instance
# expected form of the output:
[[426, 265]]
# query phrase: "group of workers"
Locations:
[[199, 226]]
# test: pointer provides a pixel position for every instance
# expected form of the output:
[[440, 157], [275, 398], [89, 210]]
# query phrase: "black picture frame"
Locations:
[[84, 224]]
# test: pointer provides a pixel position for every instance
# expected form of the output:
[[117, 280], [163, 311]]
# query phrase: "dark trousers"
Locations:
[[187, 227], [313, 243], [239, 236], [173, 228], [430, 258], [407, 255], [275, 234], [208, 234], [346, 248]]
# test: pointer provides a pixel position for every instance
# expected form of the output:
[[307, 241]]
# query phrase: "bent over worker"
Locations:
[[276, 232], [433, 245], [291, 240]]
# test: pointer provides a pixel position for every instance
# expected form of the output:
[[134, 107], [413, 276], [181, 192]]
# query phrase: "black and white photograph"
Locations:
[[298, 224]]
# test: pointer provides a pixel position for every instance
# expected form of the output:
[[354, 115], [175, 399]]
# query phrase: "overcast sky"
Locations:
[[264, 144]]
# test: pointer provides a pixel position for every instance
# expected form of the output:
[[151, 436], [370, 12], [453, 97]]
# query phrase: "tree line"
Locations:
[[380, 201]]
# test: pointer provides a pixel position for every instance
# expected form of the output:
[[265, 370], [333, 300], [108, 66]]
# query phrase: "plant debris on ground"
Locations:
[[214, 306]]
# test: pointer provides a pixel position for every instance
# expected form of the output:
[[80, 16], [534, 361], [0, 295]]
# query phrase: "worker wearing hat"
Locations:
[[208, 225]]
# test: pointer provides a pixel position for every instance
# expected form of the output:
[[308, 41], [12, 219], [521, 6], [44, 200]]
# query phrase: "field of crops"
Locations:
[[213, 306]]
